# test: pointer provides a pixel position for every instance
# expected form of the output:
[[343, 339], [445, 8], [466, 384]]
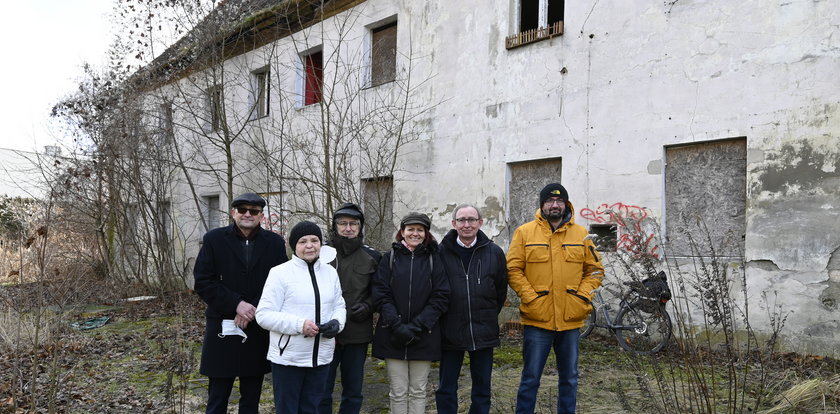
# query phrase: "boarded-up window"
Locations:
[[705, 196], [383, 53], [378, 206], [313, 65], [214, 106], [526, 181]]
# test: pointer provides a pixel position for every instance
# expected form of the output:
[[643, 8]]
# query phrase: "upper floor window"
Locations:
[[164, 122], [260, 92], [214, 107], [313, 72], [536, 20], [383, 54]]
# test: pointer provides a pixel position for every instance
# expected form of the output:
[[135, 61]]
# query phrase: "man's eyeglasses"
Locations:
[[462, 220], [347, 223], [253, 211], [555, 201]]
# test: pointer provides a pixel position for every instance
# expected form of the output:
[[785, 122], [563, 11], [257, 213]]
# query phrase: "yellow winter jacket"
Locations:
[[554, 273]]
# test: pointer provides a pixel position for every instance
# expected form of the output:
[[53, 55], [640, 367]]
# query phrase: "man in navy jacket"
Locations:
[[477, 272], [230, 272]]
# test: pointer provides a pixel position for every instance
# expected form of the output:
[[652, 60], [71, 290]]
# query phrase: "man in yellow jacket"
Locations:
[[553, 268]]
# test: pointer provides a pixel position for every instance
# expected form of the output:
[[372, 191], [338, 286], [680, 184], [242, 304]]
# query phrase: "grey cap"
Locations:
[[248, 198], [416, 218]]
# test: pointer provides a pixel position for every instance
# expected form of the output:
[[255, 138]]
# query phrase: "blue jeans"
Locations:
[[536, 345], [351, 358], [297, 390], [481, 367]]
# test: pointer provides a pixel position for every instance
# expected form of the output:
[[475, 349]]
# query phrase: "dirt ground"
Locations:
[[145, 359]]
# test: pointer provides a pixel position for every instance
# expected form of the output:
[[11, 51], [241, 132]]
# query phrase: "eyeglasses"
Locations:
[[462, 220], [347, 223], [555, 201], [253, 211]]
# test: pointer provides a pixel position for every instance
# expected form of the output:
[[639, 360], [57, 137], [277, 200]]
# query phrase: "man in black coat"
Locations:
[[477, 272], [356, 263], [230, 272]]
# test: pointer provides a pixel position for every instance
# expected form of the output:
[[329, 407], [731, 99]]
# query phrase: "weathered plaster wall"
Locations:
[[629, 78]]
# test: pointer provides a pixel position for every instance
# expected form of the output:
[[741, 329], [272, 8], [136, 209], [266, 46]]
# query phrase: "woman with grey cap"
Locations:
[[303, 309], [410, 291]]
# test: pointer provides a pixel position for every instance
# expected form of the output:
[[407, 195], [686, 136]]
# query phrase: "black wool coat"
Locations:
[[230, 269], [414, 289], [477, 293]]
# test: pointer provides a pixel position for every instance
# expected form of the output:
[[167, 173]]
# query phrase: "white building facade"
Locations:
[[681, 129]]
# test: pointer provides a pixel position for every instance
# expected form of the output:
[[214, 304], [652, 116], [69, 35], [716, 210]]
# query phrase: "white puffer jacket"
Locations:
[[289, 299]]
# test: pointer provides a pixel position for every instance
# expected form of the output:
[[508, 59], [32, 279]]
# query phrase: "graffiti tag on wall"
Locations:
[[630, 222], [274, 222]]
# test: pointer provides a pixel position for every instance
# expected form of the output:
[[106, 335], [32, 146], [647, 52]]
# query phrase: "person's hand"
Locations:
[[329, 329], [414, 328], [359, 312], [404, 333], [246, 311], [309, 328], [240, 322]]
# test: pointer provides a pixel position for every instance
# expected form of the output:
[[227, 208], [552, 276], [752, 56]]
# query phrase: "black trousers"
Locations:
[[218, 394]]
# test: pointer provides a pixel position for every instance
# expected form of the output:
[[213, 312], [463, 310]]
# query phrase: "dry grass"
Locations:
[[815, 395]]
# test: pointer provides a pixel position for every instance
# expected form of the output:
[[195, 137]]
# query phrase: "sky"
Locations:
[[44, 44]]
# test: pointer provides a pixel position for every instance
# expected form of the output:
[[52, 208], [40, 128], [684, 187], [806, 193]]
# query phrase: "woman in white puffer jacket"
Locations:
[[303, 309]]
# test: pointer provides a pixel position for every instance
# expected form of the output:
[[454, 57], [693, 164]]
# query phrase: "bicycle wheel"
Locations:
[[642, 332], [588, 324]]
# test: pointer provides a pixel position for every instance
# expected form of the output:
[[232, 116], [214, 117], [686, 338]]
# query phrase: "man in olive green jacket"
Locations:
[[553, 268], [356, 263]]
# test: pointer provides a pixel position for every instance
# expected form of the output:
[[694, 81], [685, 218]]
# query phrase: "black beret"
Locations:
[[248, 198]]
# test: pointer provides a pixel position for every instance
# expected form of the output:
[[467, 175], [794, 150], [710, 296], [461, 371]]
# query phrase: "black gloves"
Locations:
[[329, 329], [405, 333], [359, 312]]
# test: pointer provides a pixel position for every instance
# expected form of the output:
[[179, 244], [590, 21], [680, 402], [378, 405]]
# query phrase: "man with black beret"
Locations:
[[553, 268], [230, 273]]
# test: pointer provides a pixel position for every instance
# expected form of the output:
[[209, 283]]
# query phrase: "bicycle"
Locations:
[[642, 325]]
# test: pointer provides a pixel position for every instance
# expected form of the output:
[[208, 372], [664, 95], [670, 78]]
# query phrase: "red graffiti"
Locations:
[[628, 219], [275, 222], [609, 213]]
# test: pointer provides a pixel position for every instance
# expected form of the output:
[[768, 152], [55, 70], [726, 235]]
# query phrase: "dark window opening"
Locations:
[[529, 15], [605, 238], [314, 68], [555, 11]]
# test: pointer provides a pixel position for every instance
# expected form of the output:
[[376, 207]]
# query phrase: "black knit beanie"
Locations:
[[304, 228], [553, 190]]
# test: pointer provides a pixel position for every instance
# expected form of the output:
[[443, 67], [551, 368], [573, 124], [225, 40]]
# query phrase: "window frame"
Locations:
[[543, 30], [308, 98], [207, 205], [260, 93]]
